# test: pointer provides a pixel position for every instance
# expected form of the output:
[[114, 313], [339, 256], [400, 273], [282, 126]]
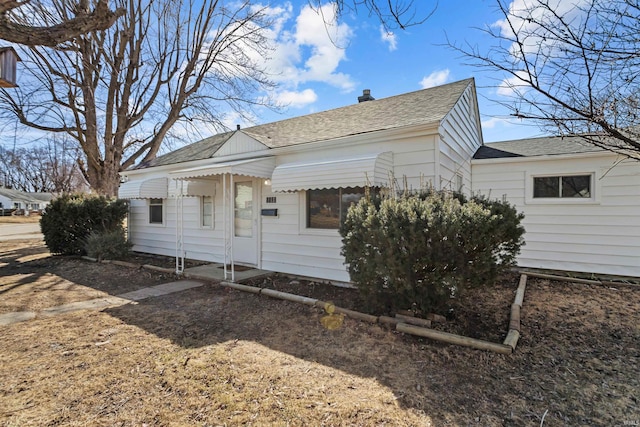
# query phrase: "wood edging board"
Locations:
[[514, 321]]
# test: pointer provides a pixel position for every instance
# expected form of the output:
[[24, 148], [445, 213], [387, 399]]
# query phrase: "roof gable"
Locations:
[[239, 143]]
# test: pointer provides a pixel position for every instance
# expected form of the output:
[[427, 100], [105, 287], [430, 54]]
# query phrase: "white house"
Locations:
[[581, 203], [272, 196], [14, 199]]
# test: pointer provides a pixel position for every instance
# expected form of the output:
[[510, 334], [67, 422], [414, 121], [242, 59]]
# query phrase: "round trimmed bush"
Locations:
[[416, 251], [69, 219]]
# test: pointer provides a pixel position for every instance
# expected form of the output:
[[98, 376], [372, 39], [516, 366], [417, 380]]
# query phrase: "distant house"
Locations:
[[272, 196], [20, 200]]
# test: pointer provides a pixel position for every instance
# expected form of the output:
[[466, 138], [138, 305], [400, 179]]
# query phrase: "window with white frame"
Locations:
[[156, 215], [207, 211], [327, 208], [562, 186]]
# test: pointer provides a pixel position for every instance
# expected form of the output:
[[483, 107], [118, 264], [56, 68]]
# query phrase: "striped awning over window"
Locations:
[[372, 169], [154, 188]]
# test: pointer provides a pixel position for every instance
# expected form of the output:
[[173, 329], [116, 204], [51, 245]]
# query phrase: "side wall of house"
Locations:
[[6, 202], [289, 247], [460, 137], [201, 243], [601, 235]]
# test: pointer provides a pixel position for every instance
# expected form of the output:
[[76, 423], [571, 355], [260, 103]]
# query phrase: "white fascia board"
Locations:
[[548, 157]]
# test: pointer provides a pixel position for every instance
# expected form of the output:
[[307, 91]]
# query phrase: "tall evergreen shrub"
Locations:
[[416, 251], [69, 220]]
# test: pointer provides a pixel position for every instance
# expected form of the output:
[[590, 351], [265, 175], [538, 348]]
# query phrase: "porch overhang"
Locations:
[[256, 168], [154, 188], [372, 169]]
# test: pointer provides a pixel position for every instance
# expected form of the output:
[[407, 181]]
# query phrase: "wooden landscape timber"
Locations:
[[453, 338], [514, 322], [425, 323]]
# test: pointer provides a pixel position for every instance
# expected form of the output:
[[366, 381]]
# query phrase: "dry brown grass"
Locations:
[[214, 356], [19, 219]]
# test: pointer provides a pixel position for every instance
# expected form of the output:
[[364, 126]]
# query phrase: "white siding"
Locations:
[[240, 143], [460, 137], [289, 247], [596, 236], [286, 245], [201, 243], [6, 202]]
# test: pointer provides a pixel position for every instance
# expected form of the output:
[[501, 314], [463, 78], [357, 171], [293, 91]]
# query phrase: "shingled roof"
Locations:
[[543, 146], [421, 107]]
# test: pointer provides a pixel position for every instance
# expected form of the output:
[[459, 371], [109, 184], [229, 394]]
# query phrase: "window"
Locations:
[[207, 211], [155, 211], [571, 186], [328, 208]]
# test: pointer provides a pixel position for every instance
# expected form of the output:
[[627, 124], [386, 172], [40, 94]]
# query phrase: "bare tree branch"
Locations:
[[119, 92], [572, 68], [84, 21]]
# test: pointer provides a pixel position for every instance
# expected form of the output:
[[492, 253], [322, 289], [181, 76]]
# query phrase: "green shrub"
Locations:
[[416, 251], [69, 219], [107, 244]]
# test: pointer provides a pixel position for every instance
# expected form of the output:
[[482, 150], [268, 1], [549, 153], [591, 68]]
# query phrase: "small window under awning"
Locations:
[[258, 168], [372, 169], [155, 188]]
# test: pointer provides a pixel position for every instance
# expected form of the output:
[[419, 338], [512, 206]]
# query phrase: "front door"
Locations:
[[245, 219]]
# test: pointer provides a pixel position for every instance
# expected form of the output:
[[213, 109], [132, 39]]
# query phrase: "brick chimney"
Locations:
[[366, 96]]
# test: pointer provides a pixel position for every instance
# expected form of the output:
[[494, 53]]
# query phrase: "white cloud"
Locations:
[[389, 37], [296, 99], [512, 86], [524, 15], [310, 50], [436, 78], [492, 122]]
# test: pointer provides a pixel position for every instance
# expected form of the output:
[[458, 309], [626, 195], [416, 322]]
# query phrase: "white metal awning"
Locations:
[[258, 168], [371, 169], [155, 188]]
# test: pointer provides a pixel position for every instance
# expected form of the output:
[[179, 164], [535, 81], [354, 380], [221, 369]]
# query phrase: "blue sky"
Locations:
[[316, 72], [320, 64]]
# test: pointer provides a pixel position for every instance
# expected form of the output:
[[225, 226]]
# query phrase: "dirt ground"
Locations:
[[214, 356]]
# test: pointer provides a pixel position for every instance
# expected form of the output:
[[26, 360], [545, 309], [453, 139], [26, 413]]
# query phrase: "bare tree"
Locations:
[[51, 167], [391, 13], [18, 23], [119, 92], [572, 67]]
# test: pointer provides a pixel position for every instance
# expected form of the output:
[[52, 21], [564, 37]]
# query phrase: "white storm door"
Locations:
[[245, 221]]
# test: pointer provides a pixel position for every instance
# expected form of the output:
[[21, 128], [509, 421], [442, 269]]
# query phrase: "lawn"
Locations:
[[215, 356], [19, 219]]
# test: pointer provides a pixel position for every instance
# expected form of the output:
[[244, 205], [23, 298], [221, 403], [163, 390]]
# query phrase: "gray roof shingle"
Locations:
[[543, 146], [415, 108]]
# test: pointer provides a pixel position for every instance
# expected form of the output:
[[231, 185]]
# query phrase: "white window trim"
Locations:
[[164, 214], [213, 213], [302, 220], [593, 200]]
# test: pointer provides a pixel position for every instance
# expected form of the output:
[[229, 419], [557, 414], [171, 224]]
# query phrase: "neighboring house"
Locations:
[[272, 196], [14, 199], [581, 203]]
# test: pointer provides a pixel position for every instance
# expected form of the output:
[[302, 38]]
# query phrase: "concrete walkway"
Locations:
[[101, 303], [20, 231]]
